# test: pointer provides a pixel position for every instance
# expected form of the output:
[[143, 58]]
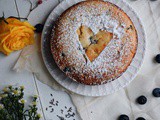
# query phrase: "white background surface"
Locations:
[[7, 76], [32, 86]]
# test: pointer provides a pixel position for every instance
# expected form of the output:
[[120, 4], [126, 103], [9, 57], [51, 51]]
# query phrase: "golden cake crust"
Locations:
[[86, 61]]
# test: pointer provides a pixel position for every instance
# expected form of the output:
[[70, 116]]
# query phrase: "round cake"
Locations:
[[93, 42]]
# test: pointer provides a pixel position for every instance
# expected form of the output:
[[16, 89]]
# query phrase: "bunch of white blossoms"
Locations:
[[12, 105]]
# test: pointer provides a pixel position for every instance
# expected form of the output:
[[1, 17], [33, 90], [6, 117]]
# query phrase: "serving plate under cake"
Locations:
[[92, 90]]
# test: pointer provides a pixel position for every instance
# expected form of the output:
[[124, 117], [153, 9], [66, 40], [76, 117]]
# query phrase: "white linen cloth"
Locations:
[[122, 102]]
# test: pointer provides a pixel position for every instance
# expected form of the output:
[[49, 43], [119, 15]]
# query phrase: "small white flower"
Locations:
[[4, 95], [35, 96], [34, 103], [16, 92], [22, 87], [10, 86], [6, 89], [22, 101], [1, 106], [39, 115]]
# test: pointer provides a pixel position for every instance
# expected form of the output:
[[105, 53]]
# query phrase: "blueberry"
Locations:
[[140, 118], [157, 58], [123, 117], [141, 100], [93, 41], [67, 69], [156, 92], [39, 28], [130, 27], [63, 55], [79, 48]]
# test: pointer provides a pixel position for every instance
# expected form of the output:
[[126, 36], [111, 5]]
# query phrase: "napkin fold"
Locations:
[[124, 101]]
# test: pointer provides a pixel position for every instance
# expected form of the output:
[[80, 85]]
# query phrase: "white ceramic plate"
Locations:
[[96, 90]]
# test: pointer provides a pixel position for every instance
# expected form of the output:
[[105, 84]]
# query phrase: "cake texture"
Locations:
[[93, 42]]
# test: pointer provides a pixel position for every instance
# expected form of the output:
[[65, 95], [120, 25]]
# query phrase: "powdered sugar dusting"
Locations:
[[112, 60]]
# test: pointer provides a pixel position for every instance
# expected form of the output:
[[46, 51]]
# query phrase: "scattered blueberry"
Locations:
[[156, 92], [141, 100], [140, 118], [123, 117], [39, 28], [157, 58]]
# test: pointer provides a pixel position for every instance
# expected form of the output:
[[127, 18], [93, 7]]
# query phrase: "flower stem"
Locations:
[[18, 17], [31, 7], [3, 18], [17, 8]]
